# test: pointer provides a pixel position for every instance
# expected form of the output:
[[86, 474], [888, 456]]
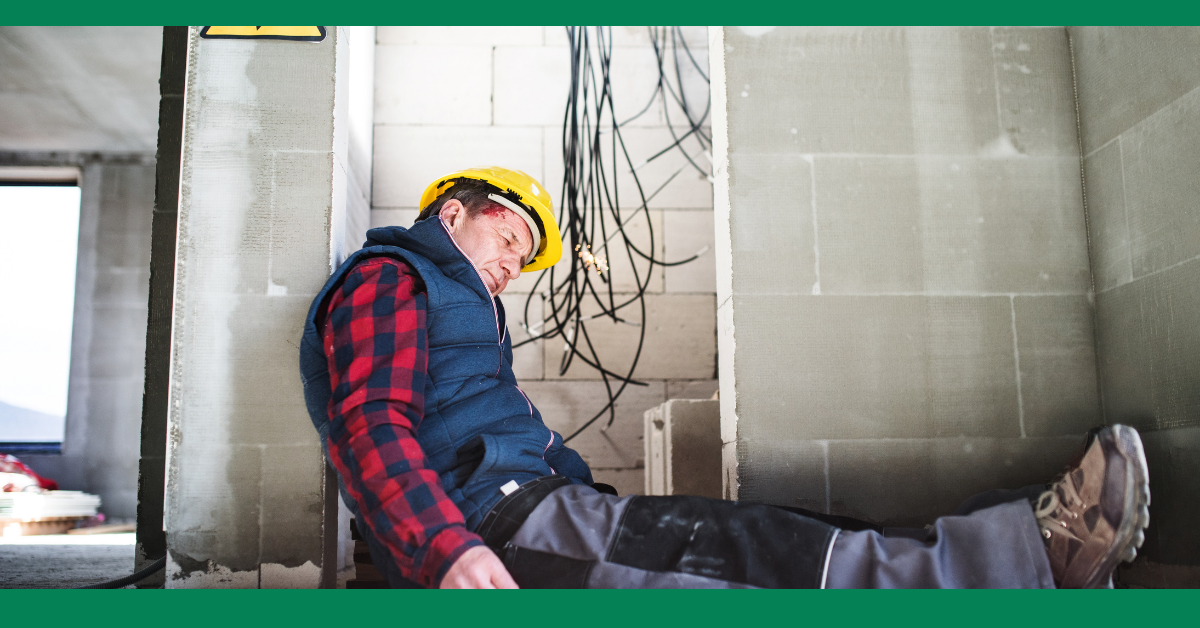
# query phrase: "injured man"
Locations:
[[456, 482]]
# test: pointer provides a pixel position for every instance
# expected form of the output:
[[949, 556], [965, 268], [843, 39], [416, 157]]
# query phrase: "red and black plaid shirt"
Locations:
[[374, 337]]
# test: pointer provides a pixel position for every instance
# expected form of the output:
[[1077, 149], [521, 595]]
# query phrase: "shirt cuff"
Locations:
[[444, 550]]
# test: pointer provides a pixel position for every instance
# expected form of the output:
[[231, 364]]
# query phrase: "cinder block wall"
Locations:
[[903, 274], [448, 98], [1139, 112], [108, 344]]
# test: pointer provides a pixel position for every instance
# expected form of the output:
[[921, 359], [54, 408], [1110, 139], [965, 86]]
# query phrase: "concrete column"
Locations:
[[262, 221]]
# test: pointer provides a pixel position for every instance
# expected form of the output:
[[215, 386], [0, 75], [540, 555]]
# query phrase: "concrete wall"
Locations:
[[100, 446], [1139, 113], [903, 282], [448, 98], [263, 218]]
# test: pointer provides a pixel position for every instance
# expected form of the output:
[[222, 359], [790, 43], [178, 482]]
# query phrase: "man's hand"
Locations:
[[478, 568]]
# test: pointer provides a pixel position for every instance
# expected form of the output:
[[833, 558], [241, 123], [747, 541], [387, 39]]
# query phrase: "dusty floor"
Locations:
[[64, 561]]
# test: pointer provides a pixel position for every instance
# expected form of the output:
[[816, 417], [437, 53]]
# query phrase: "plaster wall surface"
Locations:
[[262, 217], [449, 98], [100, 446], [1139, 108], [903, 284]]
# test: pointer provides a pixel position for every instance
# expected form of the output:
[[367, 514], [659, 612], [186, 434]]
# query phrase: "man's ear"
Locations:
[[453, 214]]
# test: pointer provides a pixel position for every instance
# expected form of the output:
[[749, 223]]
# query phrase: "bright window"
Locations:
[[39, 235]]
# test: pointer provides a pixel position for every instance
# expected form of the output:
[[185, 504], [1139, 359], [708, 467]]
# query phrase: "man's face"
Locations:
[[496, 240]]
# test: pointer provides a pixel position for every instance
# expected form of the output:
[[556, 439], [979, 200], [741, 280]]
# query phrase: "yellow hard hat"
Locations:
[[534, 205]]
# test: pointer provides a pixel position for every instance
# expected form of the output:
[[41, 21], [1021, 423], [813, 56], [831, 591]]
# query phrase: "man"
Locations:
[[456, 482]]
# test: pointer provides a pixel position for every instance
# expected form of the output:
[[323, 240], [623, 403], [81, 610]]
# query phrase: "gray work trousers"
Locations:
[[577, 537]]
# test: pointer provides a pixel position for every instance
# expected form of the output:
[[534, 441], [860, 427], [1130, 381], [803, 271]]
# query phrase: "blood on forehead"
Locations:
[[494, 210]]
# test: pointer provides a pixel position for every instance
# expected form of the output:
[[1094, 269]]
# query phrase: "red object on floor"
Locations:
[[10, 464]]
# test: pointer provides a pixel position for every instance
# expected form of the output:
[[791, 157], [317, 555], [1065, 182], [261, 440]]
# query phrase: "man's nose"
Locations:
[[512, 266]]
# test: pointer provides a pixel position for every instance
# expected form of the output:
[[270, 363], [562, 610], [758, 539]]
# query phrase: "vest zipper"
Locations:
[[491, 299]]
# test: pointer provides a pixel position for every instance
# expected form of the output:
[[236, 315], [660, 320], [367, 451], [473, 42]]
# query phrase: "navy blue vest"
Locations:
[[480, 430]]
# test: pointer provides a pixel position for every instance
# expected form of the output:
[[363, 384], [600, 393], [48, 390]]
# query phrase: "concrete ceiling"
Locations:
[[79, 88]]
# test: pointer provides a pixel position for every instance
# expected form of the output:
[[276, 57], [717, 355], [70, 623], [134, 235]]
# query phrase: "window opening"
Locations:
[[39, 240]]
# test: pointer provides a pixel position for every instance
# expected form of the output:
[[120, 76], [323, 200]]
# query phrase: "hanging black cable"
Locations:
[[590, 215]]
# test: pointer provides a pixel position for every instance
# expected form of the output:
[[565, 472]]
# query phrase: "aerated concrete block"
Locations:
[[530, 87], [683, 448], [1108, 222], [680, 340], [460, 36], [622, 36], [949, 225], [1148, 340], [427, 84], [393, 217], [1057, 352], [408, 158], [682, 184], [874, 367], [691, 389], [912, 482], [772, 224], [1162, 185], [1035, 90], [1126, 73], [567, 406]]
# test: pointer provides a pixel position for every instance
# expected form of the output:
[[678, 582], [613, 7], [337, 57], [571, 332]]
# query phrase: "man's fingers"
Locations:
[[502, 579]]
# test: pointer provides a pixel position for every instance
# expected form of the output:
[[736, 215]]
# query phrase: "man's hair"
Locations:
[[472, 193]]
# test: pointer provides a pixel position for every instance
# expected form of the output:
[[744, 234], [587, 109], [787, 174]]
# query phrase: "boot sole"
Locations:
[[1132, 532]]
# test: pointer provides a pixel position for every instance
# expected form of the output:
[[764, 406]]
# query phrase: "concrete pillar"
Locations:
[[904, 308], [262, 221]]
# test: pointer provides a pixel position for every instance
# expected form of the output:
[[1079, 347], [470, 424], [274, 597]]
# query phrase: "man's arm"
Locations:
[[374, 337]]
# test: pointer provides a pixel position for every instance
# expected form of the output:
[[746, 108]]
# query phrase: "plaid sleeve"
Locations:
[[375, 341]]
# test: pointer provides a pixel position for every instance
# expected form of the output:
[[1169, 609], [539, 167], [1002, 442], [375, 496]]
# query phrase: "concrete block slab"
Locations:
[[429, 84], [566, 406], [531, 85], [122, 286], [1162, 187], [696, 37], [1126, 73], [626, 481], [683, 448], [784, 472], [1148, 337], [1057, 351], [686, 233], [951, 225], [118, 347], [290, 534], [1174, 459], [1108, 223], [393, 217], [128, 250], [912, 482], [527, 359], [408, 158], [688, 189], [460, 36], [874, 367], [772, 223], [1035, 89], [680, 340], [691, 389]]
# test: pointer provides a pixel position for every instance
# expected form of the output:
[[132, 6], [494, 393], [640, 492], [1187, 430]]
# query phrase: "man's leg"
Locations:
[[998, 548]]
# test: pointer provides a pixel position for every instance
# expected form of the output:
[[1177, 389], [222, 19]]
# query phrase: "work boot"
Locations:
[[1095, 514]]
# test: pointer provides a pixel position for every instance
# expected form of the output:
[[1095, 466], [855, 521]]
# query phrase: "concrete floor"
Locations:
[[64, 561]]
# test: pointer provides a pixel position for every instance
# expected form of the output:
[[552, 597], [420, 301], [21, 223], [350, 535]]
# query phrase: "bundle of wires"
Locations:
[[594, 152]]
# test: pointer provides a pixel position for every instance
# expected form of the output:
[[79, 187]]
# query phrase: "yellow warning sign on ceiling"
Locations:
[[294, 33]]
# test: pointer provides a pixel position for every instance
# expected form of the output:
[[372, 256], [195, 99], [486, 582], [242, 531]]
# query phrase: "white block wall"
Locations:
[[448, 98]]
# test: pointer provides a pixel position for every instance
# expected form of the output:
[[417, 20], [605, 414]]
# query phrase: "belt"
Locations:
[[510, 513]]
